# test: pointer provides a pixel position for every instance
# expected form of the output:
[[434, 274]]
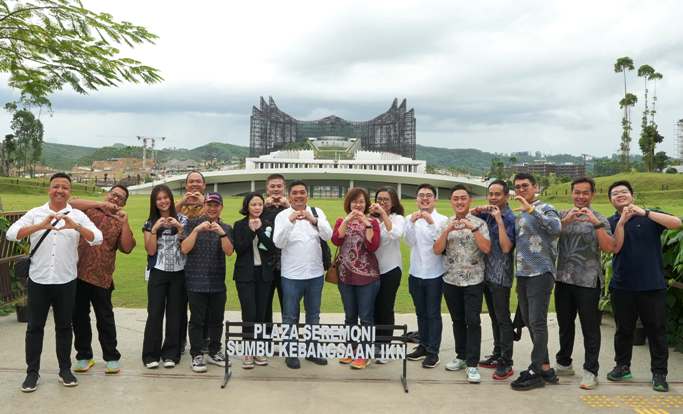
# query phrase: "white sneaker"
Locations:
[[381, 361], [589, 381], [217, 359], [152, 365], [473, 375], [456, 365], [564, 370], [198, 363], [169, 363]]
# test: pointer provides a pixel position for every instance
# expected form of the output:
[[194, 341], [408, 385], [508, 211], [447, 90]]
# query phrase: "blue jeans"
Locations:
[[292, 292], [359, 302], [426, 295]]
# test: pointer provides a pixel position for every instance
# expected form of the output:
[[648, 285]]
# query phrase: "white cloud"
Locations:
[[495, 75]]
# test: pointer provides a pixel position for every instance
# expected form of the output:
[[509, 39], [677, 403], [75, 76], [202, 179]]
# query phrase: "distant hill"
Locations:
[[472, 161]]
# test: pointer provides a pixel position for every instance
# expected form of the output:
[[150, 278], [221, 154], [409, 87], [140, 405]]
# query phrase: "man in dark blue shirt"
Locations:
[[500, 221], [638, 288], [207, 244]]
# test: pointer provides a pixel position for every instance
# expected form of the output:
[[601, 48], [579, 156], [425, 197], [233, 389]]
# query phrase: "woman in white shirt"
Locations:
[[389, 211]]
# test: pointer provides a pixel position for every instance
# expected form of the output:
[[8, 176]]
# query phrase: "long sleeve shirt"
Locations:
[[300, 244], [389, 252], [537, 235], [420, 236], [56, 260]]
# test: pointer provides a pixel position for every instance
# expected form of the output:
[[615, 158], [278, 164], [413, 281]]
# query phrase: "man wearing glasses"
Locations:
[[95, 278], [638, 287], [538, 228], [426, 274]]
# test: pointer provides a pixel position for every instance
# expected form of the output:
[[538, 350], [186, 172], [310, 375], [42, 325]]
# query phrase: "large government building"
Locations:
[[272, 129]]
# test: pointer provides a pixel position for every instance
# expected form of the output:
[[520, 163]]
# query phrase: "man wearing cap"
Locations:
[[207, 243]]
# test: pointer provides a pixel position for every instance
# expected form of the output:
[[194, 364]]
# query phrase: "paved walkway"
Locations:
[[332, 389]]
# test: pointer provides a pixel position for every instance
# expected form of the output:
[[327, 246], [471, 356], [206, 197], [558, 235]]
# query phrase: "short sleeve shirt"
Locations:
[[464, 261], [499, 265], [168, 257], [579, 255], [96, 263], [638, 266], [205, 267]]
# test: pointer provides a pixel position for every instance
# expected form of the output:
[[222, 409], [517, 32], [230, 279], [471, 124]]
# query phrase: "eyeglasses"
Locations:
[[117, 196], [620, 192], [383, 199], [522, 186], [426, 196]]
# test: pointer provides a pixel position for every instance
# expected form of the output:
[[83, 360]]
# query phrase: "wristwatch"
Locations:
[[78, 227], [647, 213], [476, 229], [223, 235], [599, 225], [369, 226]]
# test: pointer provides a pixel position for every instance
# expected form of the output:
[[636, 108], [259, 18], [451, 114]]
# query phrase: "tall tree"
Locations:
[[47, 44], [28, 131], [654, 78], [622, 65], [7, 154]]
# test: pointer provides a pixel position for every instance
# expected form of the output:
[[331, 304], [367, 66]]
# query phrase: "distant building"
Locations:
[[272, 129], [544, 168]]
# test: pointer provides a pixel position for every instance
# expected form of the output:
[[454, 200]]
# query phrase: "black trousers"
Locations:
[[206, 312], [254, 296], [533, 295], [570, 300], [650, 306], [164, 298], [464, 305], [386, 299], [498, 303], [275, 286], [100, 298], [40, 297]]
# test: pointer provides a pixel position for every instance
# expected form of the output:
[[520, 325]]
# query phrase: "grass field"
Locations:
[[130, 285]]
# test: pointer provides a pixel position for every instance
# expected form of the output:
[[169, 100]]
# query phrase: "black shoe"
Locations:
[[620, 373], [431, 361], [527, 380], [418, 353], [292, 363], [550, 376], [503, 370], [67, 379], [659, 383], [31, 382], [317, 361], [489, 361]]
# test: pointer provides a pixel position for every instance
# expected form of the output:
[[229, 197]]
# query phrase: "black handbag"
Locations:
[[327, 253], [23, 266]]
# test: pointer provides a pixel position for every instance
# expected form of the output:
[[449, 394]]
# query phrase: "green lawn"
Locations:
[[130, 285]]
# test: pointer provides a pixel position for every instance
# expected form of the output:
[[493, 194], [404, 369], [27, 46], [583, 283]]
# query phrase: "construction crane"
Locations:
[[148, 143]]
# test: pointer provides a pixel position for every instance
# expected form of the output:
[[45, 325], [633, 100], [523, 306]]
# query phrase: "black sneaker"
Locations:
[[490, 361], [659, 383], [67, 379], [31, 382], [620, 373], [503, 371], [317, 361], [431, 361], [527, 380], [418, 353], [292, 363], [550, 377]]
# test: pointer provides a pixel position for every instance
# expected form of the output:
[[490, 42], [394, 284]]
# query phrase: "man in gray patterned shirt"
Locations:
[[579, 281], [538, 227]]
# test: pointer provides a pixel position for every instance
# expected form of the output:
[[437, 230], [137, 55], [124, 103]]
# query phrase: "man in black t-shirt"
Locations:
[[638, 288], [207, 243], [275, 202]]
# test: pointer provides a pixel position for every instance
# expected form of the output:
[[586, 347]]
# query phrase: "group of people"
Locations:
[[471, 255]]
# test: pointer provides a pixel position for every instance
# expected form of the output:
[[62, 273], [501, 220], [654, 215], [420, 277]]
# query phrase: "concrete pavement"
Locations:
[[331, 389]]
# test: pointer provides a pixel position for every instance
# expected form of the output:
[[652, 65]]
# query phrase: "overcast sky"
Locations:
[[498, 76]]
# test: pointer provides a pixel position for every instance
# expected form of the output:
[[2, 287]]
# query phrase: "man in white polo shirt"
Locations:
[[297, 233], [426, 274], [52, 276]]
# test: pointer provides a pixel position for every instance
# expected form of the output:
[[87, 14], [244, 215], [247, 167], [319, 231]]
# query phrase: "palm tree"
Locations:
[[622, 65], [654, 77]]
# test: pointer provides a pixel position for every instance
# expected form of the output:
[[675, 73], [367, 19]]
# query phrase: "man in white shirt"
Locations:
[[298, 233], [52, 276], [426, 274]]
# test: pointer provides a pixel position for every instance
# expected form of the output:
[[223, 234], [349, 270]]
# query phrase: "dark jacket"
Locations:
[[244, 264]]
